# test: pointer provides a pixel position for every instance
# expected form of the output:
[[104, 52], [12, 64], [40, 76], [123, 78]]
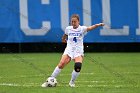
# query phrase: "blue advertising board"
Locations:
[[45, 20]]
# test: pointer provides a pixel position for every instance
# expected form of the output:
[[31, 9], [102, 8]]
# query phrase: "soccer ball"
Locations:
[[51, 82]]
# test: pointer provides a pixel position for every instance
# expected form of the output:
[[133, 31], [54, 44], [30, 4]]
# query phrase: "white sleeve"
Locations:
[[66, 31], [84, 30]]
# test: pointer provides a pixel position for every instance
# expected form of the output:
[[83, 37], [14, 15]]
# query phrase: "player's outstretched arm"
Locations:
[[94, 26], [64, 38]]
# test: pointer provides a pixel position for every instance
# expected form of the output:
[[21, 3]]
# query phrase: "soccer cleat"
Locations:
[[45, 84], [71, 84]]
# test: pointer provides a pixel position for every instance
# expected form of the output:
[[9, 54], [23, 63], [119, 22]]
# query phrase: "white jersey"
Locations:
[[75, 41], [75, 36]]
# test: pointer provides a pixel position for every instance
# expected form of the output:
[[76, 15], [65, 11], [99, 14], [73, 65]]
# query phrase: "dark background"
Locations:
[[59, 47]]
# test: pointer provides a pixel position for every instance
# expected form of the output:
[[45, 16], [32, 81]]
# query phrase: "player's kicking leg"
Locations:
[[64, 61]]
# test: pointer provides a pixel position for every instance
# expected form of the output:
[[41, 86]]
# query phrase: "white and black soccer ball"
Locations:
[[51, 82]]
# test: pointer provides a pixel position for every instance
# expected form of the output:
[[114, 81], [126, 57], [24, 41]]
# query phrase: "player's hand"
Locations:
[[64, 38], [64, 41], [101, 24]]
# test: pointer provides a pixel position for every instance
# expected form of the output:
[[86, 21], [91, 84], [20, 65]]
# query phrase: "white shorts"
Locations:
[[74, 51]]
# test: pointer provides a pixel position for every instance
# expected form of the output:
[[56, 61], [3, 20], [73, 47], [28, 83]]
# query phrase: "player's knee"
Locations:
[[77, 66]]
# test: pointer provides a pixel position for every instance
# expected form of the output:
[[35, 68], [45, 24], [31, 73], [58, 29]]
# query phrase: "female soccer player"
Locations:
[[74, 35]]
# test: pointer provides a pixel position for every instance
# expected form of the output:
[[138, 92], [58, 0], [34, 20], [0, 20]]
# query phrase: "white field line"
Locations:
[[60, 85], [37, 84], [100, 83], [94, 81], [69, 74], [41, 75], [130, 72], [18, 85]]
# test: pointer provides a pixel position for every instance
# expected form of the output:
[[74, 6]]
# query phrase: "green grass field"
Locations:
[[101, 73]]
